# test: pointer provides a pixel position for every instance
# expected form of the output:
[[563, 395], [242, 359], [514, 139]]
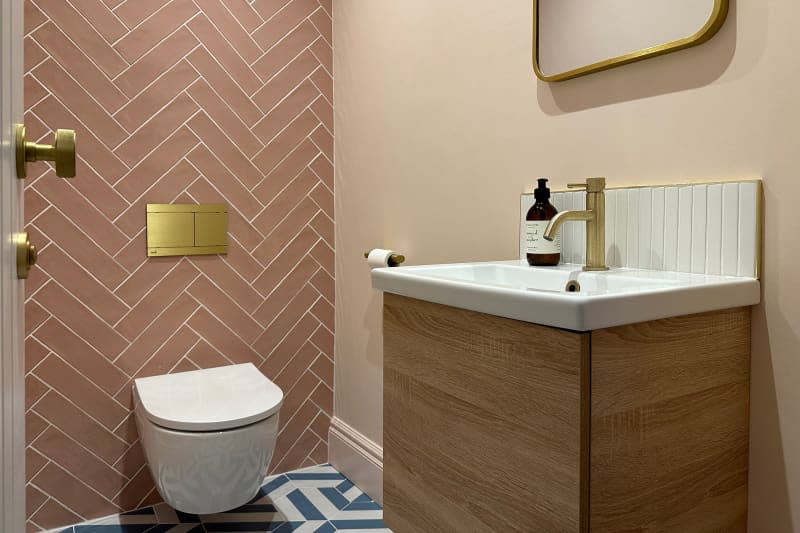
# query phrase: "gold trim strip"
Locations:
[[672, 184], [709, 29]]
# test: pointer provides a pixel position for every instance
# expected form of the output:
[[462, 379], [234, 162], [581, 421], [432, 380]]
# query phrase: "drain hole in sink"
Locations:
[[573, 286]]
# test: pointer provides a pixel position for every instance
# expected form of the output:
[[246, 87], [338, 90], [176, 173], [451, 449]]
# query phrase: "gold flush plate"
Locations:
[[187, 229]]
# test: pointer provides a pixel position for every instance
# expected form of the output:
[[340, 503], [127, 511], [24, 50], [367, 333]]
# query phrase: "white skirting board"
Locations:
[[357, 457], [705, 228]]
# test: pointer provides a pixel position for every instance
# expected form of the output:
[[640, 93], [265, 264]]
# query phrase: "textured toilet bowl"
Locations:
[[207, 472]]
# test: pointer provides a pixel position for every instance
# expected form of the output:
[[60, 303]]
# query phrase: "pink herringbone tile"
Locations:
[[323, 168], [163, 90], [324, 141], [88, 361], [324, 112], [323, 339], [85, 36], [243, 12], [82, 104], [155, 62], [157, 129], [209, 101], [79, 66], [101, 18], [285, 202], [324, 54], [281, 291], [234, 19], [295, 42], [140, 178], [79, 462], [79, 282], [225, 86], [224, 117], [285, 81], [227, 183], [72, 492], [225, 309], [323, 197], [133, 12], [223, 339], [286, 170], [322, 21], [59, 412], [148, 308], [151, 339], [230, 155], [283, 21], [33, 17], [102, 160], [288, 139], [288, 376], [80, 319], [285, 231], [225, 54], [155, 29], [323, 311], [289, 108], [166, 189], [170, 353], [323, 225]]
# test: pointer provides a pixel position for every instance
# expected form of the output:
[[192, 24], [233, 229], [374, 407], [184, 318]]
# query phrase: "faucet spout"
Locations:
[[595, 217], [556, 222]]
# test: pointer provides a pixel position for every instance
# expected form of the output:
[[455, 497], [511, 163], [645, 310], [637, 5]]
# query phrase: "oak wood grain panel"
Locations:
[[669, 424], [482, 421]]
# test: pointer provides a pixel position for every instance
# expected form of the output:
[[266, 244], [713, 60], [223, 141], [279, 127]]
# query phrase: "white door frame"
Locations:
[[12, 384]]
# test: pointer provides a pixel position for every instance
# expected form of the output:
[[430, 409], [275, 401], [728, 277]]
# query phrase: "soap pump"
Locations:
[[541, 252]]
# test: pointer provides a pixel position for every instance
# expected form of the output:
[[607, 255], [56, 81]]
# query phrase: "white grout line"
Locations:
[[227, 41], [236, 19]]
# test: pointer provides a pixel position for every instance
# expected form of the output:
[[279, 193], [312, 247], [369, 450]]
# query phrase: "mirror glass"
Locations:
[[576, 37]]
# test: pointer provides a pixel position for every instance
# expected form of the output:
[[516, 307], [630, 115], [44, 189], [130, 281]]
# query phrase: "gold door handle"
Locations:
[[26, 254], [62, 152]]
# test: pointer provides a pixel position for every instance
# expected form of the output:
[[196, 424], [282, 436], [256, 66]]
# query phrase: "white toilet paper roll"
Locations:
[[379, 257]]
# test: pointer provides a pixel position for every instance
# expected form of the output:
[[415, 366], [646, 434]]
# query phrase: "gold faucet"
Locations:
[[595, 218]]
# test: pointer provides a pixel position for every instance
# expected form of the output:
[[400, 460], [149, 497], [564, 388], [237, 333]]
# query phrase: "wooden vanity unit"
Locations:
[[492, 424]]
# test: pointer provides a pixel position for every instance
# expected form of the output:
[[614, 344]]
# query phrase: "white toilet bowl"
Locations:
[[208, 435]]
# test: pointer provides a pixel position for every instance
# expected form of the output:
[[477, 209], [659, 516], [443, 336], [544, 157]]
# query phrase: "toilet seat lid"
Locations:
[[212, 399]]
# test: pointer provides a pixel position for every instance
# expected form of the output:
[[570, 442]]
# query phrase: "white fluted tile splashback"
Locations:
[[707, 228]]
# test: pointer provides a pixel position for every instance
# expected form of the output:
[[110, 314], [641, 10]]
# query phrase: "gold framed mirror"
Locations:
[[573, 38]]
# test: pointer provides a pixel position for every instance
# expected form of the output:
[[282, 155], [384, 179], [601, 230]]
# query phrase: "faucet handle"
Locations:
[[591, 185]]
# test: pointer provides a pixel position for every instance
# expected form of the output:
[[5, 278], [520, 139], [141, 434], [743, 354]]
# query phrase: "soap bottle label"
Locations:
[[535, 243]]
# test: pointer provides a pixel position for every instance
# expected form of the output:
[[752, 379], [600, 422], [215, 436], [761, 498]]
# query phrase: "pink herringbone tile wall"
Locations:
[[181, 101]]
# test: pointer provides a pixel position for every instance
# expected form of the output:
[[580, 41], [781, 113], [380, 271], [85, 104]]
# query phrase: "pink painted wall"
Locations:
[[177, 101], [441, 123]]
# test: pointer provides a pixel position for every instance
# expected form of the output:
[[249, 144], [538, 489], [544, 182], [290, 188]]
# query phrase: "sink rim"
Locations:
[[690, 293]]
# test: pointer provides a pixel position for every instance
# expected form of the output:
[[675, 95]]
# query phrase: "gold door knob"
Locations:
[[62, 152], [26, 254]]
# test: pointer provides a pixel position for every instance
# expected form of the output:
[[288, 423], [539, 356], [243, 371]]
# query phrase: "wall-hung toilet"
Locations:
[[208, 435]]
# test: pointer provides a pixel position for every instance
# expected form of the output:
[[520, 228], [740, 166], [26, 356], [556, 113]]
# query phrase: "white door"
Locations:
[[12, 388]]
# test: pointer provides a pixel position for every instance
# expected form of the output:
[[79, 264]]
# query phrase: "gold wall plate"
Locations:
[[715, 21], [187, 229]]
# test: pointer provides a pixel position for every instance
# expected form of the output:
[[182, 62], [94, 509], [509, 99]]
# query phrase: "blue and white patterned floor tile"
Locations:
[[313, 500]]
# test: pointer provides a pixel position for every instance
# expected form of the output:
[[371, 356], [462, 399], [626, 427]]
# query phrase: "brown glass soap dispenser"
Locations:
[[541, 252]]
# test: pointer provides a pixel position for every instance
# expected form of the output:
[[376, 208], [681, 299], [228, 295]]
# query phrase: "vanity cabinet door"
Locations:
[[485, 422], [669, 424]]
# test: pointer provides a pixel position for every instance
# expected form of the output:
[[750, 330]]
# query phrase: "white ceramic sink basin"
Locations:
[[540, 294]]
